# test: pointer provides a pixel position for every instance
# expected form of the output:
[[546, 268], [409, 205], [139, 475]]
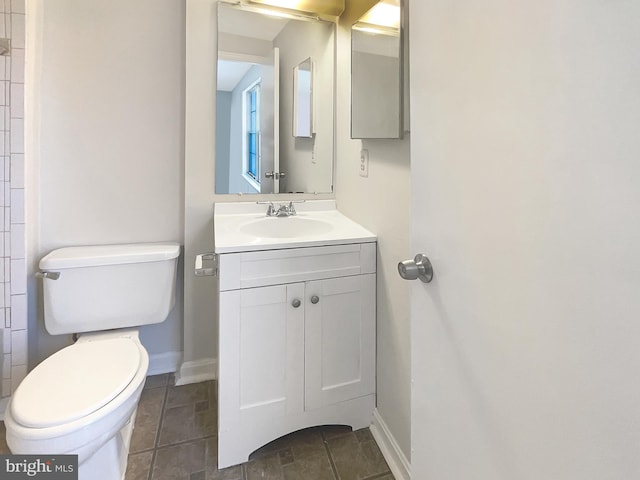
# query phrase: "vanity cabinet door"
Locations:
[[340, 326], [261, 354]]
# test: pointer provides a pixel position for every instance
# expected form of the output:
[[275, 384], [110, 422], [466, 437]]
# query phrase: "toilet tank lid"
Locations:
[[98, 255]]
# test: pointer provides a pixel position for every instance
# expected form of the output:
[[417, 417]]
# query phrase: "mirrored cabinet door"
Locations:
[[377, 72]]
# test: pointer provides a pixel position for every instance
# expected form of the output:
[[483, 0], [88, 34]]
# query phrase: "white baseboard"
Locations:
[[397, 461], [167, 362], [197, 371]]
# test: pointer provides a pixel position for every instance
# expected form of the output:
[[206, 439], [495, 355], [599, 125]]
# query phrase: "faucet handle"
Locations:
[[292, 209], [271, 210]]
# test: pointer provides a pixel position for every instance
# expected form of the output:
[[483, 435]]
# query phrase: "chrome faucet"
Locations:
[[271, 210], [283, 210]]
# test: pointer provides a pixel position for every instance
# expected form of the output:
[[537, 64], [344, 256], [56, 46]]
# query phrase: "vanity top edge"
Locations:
[[290, 245]]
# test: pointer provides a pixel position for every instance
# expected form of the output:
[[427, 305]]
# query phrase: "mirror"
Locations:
[[303, 99], [376, 72], [272, 71]]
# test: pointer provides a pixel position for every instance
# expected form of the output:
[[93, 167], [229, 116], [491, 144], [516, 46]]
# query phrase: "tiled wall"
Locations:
[[13, 300]]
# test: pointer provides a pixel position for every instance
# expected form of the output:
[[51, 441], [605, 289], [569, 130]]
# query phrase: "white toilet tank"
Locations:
[[108, 286]]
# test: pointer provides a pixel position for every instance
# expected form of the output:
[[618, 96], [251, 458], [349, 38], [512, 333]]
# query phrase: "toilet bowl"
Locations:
[[82, 400], [94, 424]]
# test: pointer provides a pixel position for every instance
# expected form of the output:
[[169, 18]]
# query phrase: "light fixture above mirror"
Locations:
[[331, 8], [383, 17]]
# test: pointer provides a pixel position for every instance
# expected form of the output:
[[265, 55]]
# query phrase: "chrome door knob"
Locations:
[[420, 267], [315, 299], [296, 303]]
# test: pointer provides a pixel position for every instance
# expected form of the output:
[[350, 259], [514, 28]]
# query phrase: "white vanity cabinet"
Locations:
[[296, 343]]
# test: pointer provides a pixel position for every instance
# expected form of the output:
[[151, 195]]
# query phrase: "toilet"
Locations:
[[82, 399]]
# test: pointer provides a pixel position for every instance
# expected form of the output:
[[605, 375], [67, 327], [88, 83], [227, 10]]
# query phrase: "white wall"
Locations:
[[380, 203], [529, 151], [107, 95], [200, 306]]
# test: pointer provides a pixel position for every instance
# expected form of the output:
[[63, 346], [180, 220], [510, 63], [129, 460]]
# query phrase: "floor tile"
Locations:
[[307, 443], [355, 459], [189, 394], [4, 449], [179, 462], [177, 425], [364, 435], [286, 456], [211, 465], [138, 466], [191, 412], [206, 422], [147, 420], [156, 381], [303, 443], [266, 467], [333, 431], [317, 467], [183, 423]]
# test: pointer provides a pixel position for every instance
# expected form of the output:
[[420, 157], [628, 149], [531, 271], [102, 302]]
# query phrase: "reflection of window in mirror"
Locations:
[[251, 122]]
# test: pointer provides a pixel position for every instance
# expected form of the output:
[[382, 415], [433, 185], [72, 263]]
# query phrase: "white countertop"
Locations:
[[235, 225]]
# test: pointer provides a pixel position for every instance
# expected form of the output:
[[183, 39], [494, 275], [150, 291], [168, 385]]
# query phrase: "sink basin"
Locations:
[[286, 227], [243, 227]]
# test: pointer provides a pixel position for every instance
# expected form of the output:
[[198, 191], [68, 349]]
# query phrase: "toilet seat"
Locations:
[[75, 382]]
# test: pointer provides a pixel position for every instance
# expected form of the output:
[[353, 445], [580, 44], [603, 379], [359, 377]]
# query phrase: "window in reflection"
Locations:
[[252, 132]]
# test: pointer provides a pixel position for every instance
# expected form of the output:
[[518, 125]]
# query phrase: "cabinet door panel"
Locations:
[[262, 353], [340, 340], [263, 347]]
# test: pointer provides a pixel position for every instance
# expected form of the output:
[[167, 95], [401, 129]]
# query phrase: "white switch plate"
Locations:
[[364, 163]]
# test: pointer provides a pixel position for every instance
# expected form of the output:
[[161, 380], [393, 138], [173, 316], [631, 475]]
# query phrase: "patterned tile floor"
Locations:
[[175, 439]]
